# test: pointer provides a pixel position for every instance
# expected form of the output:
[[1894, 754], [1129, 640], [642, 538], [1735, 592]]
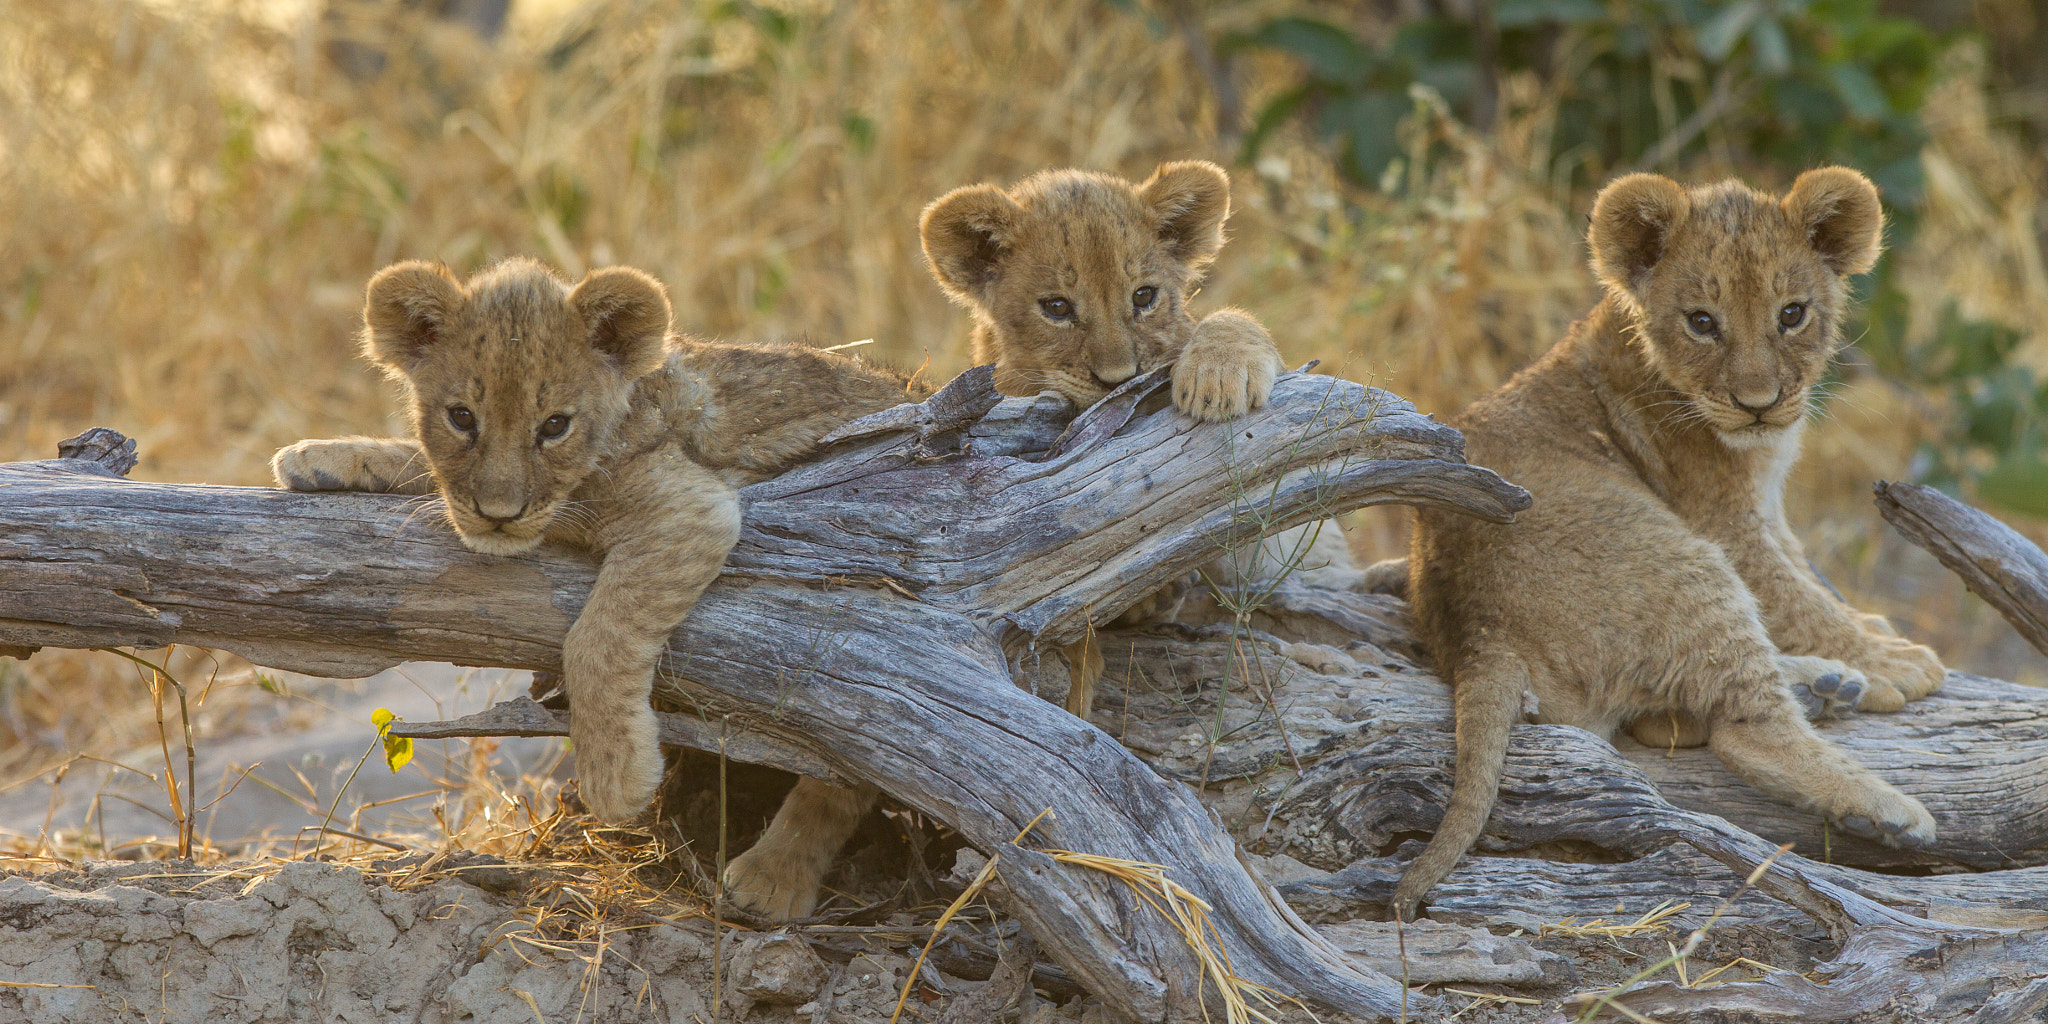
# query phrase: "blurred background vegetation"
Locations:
[[192, 193]]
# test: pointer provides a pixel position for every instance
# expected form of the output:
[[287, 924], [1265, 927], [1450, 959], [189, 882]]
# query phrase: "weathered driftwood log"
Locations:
[[1335, 749], [1331, 677], [1994, 561], [869, 619], [1912, 948]]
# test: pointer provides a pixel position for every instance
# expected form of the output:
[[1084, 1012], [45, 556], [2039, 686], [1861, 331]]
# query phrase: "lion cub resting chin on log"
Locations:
[[1654, 584], [541, 411], [1079, 281]]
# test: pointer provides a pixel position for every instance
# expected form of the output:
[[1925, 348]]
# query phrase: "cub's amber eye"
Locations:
[[554, 427], [1143, 297], [1792, 315], [1701, 322], [1057, 307], [461, 418]]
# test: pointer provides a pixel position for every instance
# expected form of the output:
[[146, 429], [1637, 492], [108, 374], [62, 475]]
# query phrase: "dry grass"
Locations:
[[191, 198]]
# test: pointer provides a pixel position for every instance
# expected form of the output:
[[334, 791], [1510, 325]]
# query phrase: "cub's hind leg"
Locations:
[[1717, 665], [1824, 689], [390, 465], [1758, 730], [778, 877]]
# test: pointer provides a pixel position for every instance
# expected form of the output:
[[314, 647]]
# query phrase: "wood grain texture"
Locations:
[[1994, 561], [867, 621], [1333, 673]]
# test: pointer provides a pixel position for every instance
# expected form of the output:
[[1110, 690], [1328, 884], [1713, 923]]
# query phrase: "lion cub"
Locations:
[[1079, 281], [1656, 438], [541, 411]]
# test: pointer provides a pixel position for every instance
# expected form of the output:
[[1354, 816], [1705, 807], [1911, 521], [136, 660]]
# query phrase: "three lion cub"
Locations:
[[1656, 439]]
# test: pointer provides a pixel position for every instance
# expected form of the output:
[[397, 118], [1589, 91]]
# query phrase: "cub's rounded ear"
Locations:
[[966, 233], [1189, 201], [626, 314], [1632, 224], [1843, 219], [410, 305]]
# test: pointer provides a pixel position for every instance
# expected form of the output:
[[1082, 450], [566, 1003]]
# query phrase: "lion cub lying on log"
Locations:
[[1079, 281], [1655, 584], [541, 411]]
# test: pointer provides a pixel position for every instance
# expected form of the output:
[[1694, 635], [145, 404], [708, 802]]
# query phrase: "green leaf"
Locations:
[[2017, 485], [1717, 38], [1329, 51], [1537, 13], [271, 684], [1369, 118], [1859, 91], [1773, 51]]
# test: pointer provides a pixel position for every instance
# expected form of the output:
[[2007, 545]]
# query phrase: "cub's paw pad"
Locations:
[[1912, 828], [1834, 695]]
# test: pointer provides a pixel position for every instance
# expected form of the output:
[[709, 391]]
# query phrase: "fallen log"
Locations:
[[872, 618], [1911, 948], [2005, 569], [1330, 674], [1335, 749]]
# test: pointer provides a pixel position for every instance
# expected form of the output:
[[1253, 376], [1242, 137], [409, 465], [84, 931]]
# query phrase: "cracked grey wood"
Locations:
[[2005, 569], [1976, 753], [1911, 948], [862, 620], [1371, 733]]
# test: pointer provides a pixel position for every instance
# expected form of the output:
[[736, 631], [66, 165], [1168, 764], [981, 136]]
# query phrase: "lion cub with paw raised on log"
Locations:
[[546, 412], [1654, 585], [1079, 281]]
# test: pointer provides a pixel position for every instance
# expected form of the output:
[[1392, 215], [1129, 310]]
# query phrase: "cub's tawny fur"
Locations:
[[541, 411], [1079, 281], [1654, 585]]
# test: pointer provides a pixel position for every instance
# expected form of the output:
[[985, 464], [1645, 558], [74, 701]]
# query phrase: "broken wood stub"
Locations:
[[1994, 561]]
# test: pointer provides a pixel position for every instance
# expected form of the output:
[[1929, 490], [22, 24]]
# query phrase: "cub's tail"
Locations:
[[1489, 698]]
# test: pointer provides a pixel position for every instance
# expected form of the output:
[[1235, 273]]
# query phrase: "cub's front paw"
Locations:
[[773, 881], [314, 466], [1887, 816], [1899, 671], [1227, 370], [1825, 688], [389, 466], [618, 763]]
